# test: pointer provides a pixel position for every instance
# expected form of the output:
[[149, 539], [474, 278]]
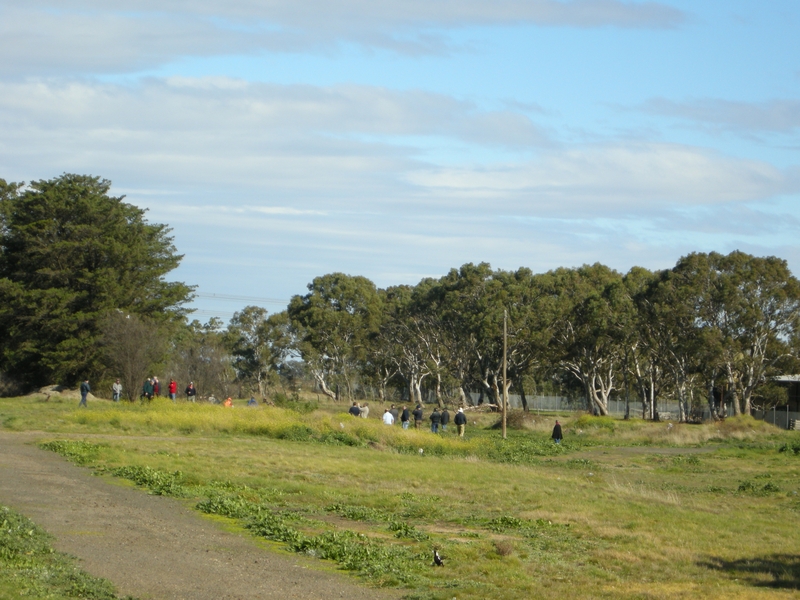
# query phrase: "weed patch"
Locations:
[[750, 487], [79, 452], [793, 448], [159, 483], [524, 450], [404, 530], [34, 569], [358, 513], [384, 565]]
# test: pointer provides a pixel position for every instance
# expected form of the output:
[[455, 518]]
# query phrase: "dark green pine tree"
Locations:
[[71, 254]]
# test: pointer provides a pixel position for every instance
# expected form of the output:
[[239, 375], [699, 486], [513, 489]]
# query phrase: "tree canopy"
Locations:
[[83, 291], [70, 254]]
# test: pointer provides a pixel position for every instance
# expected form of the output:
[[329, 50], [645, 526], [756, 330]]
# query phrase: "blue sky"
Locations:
[[282, 140]]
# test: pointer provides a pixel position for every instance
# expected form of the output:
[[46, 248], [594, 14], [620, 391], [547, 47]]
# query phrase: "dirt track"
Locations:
[[151, 546]]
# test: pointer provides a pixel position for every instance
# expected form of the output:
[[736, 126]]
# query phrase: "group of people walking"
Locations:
[[151, 388], [438, 419]]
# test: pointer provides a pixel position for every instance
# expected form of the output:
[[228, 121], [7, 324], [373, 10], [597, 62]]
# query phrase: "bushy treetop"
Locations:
[[69, 254]]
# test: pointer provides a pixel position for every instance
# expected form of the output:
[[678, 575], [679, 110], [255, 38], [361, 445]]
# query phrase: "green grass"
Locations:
[[619, 510], [30, 568]]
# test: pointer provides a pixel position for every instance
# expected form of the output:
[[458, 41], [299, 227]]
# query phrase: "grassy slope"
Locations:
[[623, 510]]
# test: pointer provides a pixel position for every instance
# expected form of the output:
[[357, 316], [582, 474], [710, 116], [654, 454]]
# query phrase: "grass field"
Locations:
[[619, 510]]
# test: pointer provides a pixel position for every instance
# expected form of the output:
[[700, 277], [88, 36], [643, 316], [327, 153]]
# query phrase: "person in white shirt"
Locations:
[[388, 419]]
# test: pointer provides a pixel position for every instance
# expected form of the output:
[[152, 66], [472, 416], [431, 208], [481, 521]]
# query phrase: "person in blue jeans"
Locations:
[[85, 389], [405, 417], [116, 391], [436, 418]]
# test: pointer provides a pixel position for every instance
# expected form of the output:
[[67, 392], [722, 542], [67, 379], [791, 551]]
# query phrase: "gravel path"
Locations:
[[151, 546]]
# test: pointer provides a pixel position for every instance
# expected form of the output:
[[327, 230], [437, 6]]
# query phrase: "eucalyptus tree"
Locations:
[[473, 303], [587, 302], [517, 301], [393, 353], [427, 336], [70, 254], [333, 324], [753, 304], [464, 305], [668, 317], [641, 356], [259, 344]]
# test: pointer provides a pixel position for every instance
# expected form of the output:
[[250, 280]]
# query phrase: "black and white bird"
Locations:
[[437, 560]]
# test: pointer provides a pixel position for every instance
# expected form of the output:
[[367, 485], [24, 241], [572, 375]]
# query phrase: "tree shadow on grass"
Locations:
[[773, 571]]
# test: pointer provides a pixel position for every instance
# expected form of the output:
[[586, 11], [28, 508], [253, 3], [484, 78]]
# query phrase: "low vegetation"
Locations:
[[32, 569], [621, 509]]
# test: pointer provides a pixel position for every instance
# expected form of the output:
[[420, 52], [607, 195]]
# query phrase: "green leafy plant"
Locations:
[[79, 452], [36, 570], [159, 483], [358, 513], [404, 530], [793, 448], [749, 487]]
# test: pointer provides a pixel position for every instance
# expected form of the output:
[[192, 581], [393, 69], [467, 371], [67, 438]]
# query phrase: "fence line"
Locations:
[[667, 411]]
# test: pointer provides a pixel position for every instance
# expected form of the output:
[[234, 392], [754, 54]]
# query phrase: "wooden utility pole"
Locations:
[[505, 384]]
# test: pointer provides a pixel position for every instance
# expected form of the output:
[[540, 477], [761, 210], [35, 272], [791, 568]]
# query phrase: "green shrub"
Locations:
[[296, 433], [341, 438], [404, 530], [294, 403], [79, 452], [159, 483], [749, 487], [358, 513], [504, 523], [235, 507], [793, 448], [523, 450]]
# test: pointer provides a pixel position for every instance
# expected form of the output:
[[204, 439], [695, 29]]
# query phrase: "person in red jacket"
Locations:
[[173, 389]]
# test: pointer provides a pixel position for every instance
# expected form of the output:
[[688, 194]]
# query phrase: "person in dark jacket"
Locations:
[[557, 435], [147, 390], [417, 416], [461, 422], [445, 418], [85, 389], [395, 413], [405, 417], [436, 418], [191, 392], [354, 410]]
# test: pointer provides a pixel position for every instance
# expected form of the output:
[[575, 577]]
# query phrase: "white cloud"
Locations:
[[88, 36], [636, 178], [292, 139], [318, 179], [776, 115]]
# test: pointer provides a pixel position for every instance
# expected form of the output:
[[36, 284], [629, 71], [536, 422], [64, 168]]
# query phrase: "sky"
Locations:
[[284, 139]]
